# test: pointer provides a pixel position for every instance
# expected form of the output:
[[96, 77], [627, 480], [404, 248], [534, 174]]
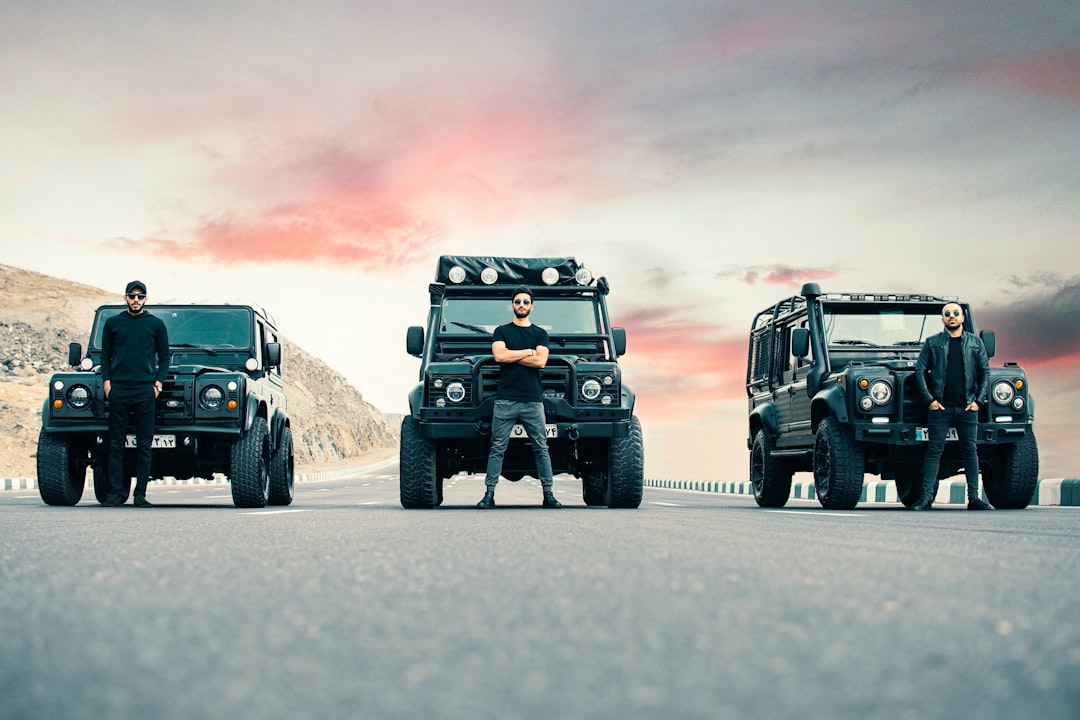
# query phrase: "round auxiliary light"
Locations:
[[58, 385], [232, 386], [608, 380], [78, 396], [489, 276], [866, 402], [1018, 403], [590, 389], [606, 400], [1003, 392], [583, 276], [456, 274], [87, 364], [437, 382], [550, 276], [252, 364], [455, 392]]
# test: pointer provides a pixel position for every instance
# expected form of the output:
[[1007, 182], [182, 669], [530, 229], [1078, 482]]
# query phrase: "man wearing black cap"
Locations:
[[134, 364]]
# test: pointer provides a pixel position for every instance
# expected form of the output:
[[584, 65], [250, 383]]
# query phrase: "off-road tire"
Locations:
[[626, 469], [909, 486], [592, 488], [770, 476], [249, 467], [102, 484], [282, 471], [60, 473], [838, 467], [1010, 480], [416, 459]]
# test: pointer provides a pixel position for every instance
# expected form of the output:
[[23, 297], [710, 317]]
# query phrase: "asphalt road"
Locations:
[[696, 605]]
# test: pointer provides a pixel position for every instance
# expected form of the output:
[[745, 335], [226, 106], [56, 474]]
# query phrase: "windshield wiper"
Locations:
[[207, 350], [467, 326], [865, 343]]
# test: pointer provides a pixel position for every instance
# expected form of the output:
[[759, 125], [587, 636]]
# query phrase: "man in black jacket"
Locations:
[[134, 364], [953, 373]]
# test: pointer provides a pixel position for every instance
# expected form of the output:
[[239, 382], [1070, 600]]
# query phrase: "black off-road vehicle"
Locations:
[[221, 410], [593, 433], [832, 390]]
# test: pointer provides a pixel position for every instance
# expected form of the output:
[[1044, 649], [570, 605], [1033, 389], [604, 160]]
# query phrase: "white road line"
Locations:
[[664, 504], [277, 512], [815, 513]]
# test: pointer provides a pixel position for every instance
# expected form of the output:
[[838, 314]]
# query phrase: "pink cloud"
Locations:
[[1054, 74], [780, 275], [680, 369]]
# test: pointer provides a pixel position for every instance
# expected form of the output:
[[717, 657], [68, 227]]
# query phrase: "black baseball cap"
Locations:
[[135, 284]]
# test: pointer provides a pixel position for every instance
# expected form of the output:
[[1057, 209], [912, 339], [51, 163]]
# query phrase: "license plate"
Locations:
[[160, 441], [518, 433], [923, 434]]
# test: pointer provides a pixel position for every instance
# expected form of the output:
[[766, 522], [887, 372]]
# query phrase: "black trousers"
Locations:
[[131, 406]]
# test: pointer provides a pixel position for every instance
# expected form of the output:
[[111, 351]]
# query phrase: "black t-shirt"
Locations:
[[954, 395], [516, 381]]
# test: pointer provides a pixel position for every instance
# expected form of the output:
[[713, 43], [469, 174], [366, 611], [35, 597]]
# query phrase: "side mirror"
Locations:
[[620, 340], [273, 354], [989, 339], [414, 340], [800, 342], [74, 354]]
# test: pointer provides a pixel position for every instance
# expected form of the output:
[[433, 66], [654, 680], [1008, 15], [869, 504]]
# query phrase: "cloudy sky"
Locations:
[[707, 157]]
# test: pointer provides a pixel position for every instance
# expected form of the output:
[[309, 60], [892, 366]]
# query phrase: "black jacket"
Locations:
[[134, 349], [930, 369]]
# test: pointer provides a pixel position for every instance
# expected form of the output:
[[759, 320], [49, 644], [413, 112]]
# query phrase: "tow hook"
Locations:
[[573, 433]]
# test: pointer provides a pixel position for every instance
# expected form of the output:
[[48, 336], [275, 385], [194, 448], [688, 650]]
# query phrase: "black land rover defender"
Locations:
[[592, 431], [832, 390], [221, 410]]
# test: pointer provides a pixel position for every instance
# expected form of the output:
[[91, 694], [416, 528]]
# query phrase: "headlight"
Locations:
[[881, 392], [1003, 392], [590, 389], [78, 396], [455, 392], [212, 397]]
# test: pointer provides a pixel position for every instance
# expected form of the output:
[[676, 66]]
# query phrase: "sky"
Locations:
[[706, 157]]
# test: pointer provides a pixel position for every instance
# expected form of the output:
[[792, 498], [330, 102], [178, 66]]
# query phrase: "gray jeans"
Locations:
[[531, 416]]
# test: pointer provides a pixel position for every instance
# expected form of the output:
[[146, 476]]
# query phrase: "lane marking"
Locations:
[[814, 513], [665, 504], [277, 512]]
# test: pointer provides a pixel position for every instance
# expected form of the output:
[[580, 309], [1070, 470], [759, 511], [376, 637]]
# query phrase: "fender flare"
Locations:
[[829, 402]]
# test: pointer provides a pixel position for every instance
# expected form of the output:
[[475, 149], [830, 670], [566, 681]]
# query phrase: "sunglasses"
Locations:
[[522, 302], [136, 296], [951, 313]]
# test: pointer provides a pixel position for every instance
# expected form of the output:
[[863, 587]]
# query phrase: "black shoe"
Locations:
[[141, 501], [488, 502], [550, 501], [921, 506], [113, 501], [978, 504]]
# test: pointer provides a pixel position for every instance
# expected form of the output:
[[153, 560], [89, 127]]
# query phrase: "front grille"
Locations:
[[554, 380], [175, 401]]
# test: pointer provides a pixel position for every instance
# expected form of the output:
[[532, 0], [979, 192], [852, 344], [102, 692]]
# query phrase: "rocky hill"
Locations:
[[40, 315]]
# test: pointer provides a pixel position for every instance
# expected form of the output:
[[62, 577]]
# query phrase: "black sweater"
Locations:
[[129, 346]]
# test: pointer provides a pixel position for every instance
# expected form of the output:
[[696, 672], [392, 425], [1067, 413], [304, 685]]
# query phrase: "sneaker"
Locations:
[[113, 501], [550, 501], [141, 501], [978, 504]]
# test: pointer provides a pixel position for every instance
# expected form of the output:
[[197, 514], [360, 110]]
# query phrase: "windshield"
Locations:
[[197, 326], [559, 316], [884, 328]]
